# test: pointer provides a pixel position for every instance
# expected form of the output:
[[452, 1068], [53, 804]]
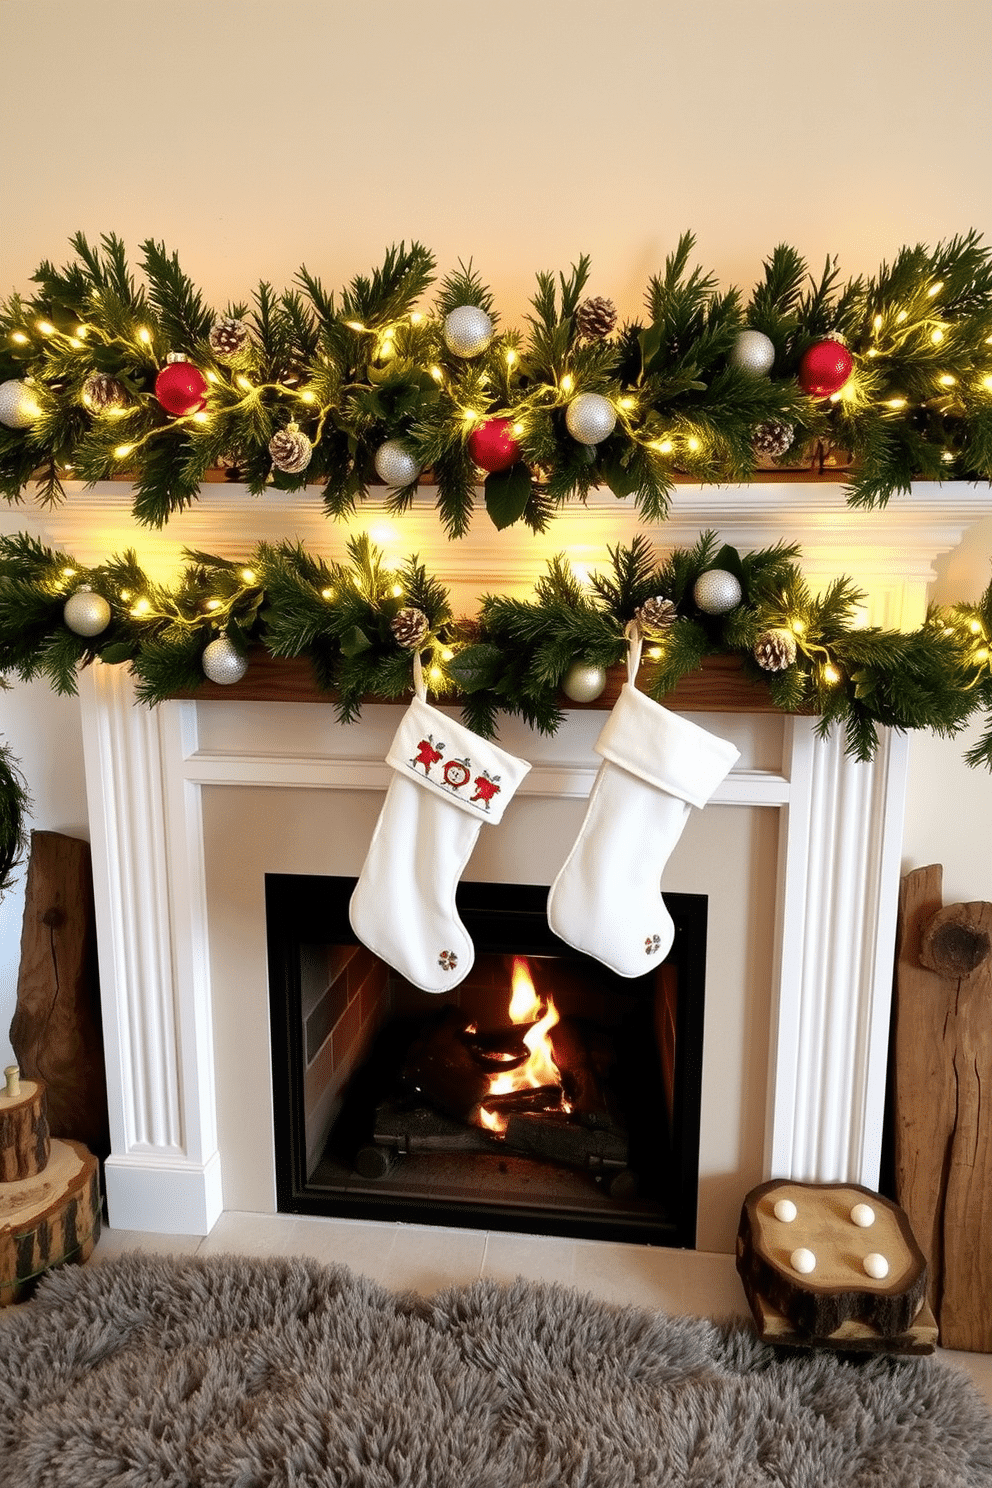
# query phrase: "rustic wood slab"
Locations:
[[48, 1220], [24, 1135], [850, 1337], [838, 1291], [942, 1066], [57, 1032]]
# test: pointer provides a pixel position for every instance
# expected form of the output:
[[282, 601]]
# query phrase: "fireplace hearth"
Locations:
[[544, 1094]]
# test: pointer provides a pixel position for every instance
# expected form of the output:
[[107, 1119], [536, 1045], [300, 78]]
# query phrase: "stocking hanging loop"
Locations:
[[635, 640], [419, 685]]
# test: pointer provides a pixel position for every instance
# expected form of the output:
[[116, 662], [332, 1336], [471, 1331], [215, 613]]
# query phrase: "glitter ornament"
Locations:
[[290, 449], [467, 331], [395, 465], [825, 368], [180, 387], [775, 650], [876, 1266], [583, 682], [18, 408], [752, 352], [104, 394], [716, 591], [785, 1210], [229, 339], [86, 612], [590, 418], [222, 661], [803, 1261], [410, 627], [493, 446], [656, 615]]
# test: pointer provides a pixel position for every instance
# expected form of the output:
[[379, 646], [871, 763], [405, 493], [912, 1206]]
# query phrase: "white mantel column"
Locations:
[[163, 1173]]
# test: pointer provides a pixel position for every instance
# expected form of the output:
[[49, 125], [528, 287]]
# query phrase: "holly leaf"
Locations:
[[476, 667], [729, 560], [354, 642], [119, 652], [618, 477], [507, 495]]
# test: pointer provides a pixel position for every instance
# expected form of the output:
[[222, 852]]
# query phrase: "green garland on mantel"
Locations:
[[301, 388], [359, 622]]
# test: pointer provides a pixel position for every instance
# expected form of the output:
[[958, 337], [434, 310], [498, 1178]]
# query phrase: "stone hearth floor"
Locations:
[[425, 1258]]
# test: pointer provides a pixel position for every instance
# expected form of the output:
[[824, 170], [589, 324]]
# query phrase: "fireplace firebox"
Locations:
[[543, 1094]]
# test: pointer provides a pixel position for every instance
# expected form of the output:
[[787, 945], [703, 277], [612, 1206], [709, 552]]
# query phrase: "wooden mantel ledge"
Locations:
[[719, 686]]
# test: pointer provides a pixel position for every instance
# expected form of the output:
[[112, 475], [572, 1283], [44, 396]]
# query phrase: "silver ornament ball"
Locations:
[[86, 612], [753, 352], [590, 418], [467, 331], [716, 591], [395, 465], [222, 662], [583, 682], [18, 408]]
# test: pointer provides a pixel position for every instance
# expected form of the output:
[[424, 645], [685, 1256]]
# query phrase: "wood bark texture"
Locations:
[[48, 1220], [24, 1133], [942, 1100]]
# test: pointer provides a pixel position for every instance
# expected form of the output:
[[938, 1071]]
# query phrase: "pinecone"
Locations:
[[595, 318], [409, 627], [774, 650], [102, 393], [772, 438], [656, 615], [229, 338], [290, 450]]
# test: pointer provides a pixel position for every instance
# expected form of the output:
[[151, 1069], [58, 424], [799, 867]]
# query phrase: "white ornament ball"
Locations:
[[395, 465], [583, 682], [716, 591], [222, 662], [876, 1265], [86, 612], [753, 352], [467, 331], [18, 408], [803, 1261], [590, 418], [863, 1215], [785, 1210]]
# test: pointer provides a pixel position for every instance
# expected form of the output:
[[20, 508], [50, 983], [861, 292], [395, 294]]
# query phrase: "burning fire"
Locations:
[[539, 1069]]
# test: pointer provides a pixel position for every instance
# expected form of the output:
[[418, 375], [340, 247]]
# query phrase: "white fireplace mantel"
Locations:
[[840, 831]]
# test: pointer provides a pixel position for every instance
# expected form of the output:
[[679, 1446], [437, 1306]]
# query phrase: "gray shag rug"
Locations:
[[154, 1372]]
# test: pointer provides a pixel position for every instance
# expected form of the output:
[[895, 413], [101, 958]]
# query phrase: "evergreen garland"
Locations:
[[15, 804], [514, 655], [365, 366]]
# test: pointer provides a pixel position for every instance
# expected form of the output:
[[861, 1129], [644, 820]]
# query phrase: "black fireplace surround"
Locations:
[[655, 1030]]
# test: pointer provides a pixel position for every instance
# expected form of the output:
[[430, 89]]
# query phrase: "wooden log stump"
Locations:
[[48, 1220], [24, 1136], [836, 1261], [942, 1113], [56, 1032]]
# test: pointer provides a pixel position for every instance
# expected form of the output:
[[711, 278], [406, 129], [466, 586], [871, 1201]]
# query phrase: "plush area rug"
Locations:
[[154, 1372]]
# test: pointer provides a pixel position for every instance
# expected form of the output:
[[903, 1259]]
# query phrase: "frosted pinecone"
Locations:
[[229, 338], [103, 393], [290, 449], [595, 318], [656, 615], [773, 437], [774, 650], [409, 626]]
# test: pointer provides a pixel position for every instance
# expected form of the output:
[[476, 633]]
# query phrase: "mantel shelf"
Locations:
[[720, 686]]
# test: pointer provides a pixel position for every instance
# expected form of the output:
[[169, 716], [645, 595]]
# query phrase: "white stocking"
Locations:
[[447, 782], [607, 900]]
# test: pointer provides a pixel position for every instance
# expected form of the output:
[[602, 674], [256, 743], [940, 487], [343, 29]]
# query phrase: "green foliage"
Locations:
[[15, 806], [364, 364]]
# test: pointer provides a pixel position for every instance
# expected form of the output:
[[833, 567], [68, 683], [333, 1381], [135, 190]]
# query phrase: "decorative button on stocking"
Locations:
[[447, 782]]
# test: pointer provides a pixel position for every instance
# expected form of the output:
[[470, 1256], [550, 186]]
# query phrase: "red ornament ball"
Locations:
[[181, 388], [825, 368], [492, 445]]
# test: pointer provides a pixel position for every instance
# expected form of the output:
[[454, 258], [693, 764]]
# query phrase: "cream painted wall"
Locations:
[[254, 136]]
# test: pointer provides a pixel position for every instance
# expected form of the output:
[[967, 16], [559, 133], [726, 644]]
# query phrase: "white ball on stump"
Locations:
[[222, 662], [590, 418], [467, 331], [583, 682], [86, 612], [716, 591], [395, 465]]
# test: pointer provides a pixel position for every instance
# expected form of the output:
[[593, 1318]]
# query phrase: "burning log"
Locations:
[[441, 1069], [535, 1098], [557, 1138], [498, 1049]]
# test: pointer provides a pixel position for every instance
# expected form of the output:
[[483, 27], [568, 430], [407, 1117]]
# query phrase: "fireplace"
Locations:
[[392, 1103]]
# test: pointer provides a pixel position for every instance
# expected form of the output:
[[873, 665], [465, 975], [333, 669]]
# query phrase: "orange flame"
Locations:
[[539, 1068]]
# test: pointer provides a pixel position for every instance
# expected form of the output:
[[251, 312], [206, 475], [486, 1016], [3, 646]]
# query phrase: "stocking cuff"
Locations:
[[450, 760], [665, 750]]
